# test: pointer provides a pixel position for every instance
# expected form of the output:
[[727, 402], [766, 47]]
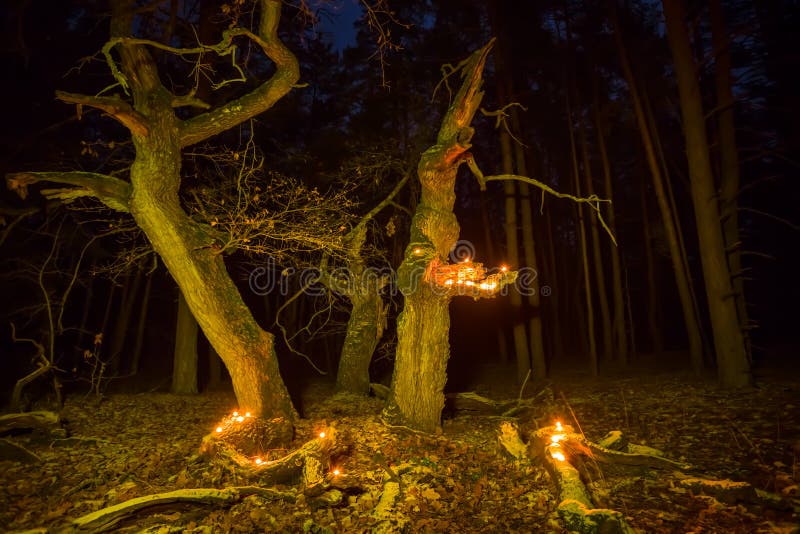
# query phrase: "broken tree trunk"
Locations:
[[564, 453]]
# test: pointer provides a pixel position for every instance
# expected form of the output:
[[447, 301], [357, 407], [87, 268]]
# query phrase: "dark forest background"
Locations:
[[368, 110]]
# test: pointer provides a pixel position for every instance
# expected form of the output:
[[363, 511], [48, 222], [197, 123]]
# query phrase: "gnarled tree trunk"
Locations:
[[416, 396]]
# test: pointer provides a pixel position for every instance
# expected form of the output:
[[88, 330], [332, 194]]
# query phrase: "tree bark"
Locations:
[[416, 396], [681, 274], [136, 356], [597, 253], [184, 368], [186, 247], [618, 324], [653, 323], [590, 324], [732, 363], [728, 160]]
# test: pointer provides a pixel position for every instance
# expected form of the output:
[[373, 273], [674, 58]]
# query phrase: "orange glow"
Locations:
[[558, 455], [240, 418], [322, 434], [236, 414], [219, 429], [448, 282], [336, 472], [417, 251], [558, 426], [258, 461], [555, 438], [503, 268], [470, 283], [247, 414]]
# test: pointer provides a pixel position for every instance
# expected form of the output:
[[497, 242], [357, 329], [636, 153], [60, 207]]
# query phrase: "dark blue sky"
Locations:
[[336, 20]]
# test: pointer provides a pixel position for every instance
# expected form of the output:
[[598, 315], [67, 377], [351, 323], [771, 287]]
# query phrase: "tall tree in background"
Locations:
[[682, 279], [728, 159], [732, 361]]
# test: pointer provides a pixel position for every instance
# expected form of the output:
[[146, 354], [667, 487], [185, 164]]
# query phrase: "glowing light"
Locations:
[[336, 472], [236, 414], [417, 251], [555, 438], [240, 419], [322, 434], [558, 426], [469, 283], [247, 414], [258, 461], [558, 455], [448, 282], [219, 429], [503, 268], [465, 260]]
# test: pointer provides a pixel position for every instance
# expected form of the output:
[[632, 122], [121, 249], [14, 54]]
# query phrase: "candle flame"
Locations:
[[247, 414], [558, 426], [503, 268], [336, 472], [236, 414], [558, 455], [258, 461], [322, 434], [240, 418], [555, 438], [219, 429]]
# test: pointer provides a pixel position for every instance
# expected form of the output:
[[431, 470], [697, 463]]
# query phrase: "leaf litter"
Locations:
[[128, 446]]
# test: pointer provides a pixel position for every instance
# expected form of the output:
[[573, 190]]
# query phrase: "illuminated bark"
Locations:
[[732, 363], [416, 396], [187, 248]]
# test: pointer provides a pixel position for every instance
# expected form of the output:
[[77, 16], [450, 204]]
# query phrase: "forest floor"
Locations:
[[139, 444]]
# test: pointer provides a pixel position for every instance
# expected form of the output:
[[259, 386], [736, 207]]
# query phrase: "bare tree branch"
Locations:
[[113, 105], [112, 192], [261, 98]]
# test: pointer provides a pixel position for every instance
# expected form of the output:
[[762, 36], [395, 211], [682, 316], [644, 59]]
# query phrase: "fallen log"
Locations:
[[107, 518], [12, 452], [41, 420], [563, 453]]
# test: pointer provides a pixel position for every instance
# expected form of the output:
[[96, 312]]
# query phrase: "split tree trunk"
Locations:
[[416, 396], [732, 363]]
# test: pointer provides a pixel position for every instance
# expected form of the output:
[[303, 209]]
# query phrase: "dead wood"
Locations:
[[105, 519], [42, 420], [16, 453]]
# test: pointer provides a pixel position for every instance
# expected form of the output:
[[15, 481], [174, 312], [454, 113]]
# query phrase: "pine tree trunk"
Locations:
[[732, 362], [656, 338], [123, 320], [520, 338], [184, 368], [136, 355], [589, 310], [671, 233], [729, 160], [536, 343], [618, 325], [597, 253]]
